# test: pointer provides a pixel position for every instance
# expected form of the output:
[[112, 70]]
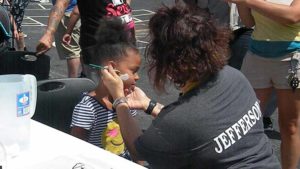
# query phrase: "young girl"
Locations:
[[94, 118]]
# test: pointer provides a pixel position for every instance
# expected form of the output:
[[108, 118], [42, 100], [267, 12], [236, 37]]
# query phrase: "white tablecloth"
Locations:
[[52, 149]]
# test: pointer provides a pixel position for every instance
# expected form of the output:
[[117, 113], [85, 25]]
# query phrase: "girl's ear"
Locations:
[[112, 63]]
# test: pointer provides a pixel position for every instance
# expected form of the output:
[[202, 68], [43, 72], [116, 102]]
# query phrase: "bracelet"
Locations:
[[119, 101], [151, 106]]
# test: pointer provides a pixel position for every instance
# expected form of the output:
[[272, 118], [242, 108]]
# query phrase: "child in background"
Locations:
[[94, 119], [18, 11]]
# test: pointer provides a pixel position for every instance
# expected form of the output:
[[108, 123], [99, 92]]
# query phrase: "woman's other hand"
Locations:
[[137, 99]]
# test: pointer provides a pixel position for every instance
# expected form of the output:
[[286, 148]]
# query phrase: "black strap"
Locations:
[[151, 106]]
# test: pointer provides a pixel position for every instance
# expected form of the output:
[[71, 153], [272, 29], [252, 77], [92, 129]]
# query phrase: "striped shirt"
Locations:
[[101, 123]]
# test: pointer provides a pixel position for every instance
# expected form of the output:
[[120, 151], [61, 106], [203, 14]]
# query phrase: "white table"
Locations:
[[53, 149]]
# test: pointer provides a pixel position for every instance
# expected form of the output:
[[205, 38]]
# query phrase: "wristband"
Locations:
[[151, 106], [119, 101]]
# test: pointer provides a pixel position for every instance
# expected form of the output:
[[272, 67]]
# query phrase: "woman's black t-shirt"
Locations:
[[215, 126]]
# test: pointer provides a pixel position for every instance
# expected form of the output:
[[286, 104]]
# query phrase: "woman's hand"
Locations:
[[112, 82], [66, 39], [137, 99]]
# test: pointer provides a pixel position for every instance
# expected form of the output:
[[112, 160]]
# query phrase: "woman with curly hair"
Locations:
[[216, 121]]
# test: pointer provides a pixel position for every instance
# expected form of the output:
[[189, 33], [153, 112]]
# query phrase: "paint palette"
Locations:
[[29, 57]]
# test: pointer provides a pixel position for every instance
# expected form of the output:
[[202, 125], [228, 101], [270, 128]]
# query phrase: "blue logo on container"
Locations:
[[23, 104]]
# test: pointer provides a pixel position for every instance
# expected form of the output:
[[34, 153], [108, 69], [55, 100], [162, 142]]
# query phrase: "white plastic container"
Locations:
[[3, 157], [17, 105]]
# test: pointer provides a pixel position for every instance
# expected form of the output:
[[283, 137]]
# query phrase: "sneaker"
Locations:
[[268, 125]]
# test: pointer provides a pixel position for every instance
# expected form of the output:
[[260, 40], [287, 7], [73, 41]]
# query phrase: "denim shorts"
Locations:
[[270, 72]]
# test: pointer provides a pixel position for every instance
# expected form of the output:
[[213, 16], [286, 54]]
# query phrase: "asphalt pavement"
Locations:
[[34, 25]]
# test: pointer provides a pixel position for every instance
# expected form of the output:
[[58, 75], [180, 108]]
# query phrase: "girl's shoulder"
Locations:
[[88, 100]]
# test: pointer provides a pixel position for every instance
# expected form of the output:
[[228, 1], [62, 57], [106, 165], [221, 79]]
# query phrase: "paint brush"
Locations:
[[122, 76]]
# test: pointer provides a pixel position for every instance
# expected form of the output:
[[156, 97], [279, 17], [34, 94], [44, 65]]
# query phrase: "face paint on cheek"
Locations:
[[124, 77]]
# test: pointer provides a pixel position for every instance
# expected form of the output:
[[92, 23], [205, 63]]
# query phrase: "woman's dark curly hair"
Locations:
[[185, 45]]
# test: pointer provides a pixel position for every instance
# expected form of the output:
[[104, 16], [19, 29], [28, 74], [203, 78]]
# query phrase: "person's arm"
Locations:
[[74, 17], [79, 132], [246, 16], [157, 109], [280, 13], [55, 17], [129, 128]]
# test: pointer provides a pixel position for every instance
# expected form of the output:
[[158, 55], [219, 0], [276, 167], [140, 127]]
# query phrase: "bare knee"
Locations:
[[289, 128], [289, 112]]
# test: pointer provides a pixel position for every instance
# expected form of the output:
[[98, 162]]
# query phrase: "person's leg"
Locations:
[[263, 95], [289, 124], [257, 70], [20, 42], [74, 67], [239, 46], [288, 109], [18, 11], [69, 52], [270, 109]]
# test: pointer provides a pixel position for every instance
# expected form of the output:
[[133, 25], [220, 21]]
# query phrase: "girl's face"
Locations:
[[130, 65]]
